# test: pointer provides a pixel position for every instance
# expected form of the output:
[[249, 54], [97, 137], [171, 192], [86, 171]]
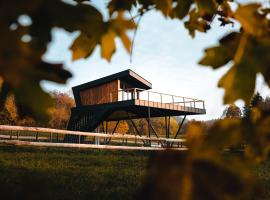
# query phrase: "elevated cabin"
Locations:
[[126, 96], [113, 88]]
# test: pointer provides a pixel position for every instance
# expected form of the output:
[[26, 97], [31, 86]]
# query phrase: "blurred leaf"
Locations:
[[206, 7], [219, 56], [108, 45], [182, 8], [83, 46], [250, 19], [195, 22], [165, 6], [120, 5], [177, 175]]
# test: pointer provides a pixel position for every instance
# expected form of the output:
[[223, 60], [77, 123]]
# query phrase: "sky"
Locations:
[[164, 54]]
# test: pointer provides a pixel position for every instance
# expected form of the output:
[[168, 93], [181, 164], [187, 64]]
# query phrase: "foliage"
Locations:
[[122, 127], [232, 111], [23, 45], [158, 124], [59, 114]]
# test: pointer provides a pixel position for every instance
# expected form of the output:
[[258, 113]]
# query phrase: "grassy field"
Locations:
[[70, 174], [32, 173]]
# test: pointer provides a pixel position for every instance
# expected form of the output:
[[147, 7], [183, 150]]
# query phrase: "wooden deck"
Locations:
[[134, 109], [169, 106]]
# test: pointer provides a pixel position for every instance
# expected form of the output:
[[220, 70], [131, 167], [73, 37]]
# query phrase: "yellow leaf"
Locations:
[[83, 46], [108, 45], [250, 19], [206, 7], [126, 42]]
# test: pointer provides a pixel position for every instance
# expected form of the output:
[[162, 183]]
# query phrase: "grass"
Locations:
[[70, 174], [32, 173]]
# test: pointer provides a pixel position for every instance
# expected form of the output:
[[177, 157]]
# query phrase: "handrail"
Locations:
[[189, 99], [134, 91], [79, 133]]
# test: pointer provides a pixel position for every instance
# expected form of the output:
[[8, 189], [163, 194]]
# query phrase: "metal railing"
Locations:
[[151, 96]]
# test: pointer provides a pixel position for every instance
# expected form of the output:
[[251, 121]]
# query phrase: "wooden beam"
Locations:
[[85, 146], [91, 134]]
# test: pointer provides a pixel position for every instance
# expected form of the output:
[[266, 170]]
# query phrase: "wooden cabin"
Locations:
[[125, 96], [110, 89]]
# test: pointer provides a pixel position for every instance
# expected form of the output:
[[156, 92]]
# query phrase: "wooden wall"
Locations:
[[100, 94]]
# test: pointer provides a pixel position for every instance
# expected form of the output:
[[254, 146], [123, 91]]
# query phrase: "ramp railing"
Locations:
[[37, 136]]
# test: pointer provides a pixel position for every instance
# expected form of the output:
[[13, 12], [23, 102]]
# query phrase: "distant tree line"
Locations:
[[257, 101], [60, 112]]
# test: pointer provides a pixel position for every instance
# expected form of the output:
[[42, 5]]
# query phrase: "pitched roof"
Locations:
[[128, 76]]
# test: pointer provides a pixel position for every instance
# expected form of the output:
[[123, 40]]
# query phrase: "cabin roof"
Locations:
[[128, 76]]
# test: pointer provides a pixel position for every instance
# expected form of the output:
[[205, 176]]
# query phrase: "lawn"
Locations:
[[70, 174], [32, 173]]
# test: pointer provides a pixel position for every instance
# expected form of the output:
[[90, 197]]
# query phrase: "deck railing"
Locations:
[[151, 96]]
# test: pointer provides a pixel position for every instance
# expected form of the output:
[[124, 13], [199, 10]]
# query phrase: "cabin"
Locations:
[[110, 89], [126, 96]]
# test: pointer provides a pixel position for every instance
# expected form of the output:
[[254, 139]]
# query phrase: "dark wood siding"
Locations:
[[105, 93]]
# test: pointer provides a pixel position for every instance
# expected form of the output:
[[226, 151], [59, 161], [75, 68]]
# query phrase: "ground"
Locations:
[[29, 173], [70, 174]]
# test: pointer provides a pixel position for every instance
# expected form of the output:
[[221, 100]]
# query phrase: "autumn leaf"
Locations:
[[120, 5], [206, 7], [83, 46], [219, 56], [251, 20], [196, 23], [165, 6], [182, 8], [108, 45]]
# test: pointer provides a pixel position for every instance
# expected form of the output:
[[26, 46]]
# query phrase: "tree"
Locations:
[[59, 114], [122, 127], [232, 111], [256, 101]]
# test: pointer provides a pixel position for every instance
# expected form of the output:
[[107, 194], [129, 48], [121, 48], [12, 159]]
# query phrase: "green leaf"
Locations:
[[83, 46]]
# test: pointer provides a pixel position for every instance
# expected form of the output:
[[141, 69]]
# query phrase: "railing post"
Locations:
[[203, 104], [160, 98], [110, 97], [172, 99], [184, 102], [148, 97]]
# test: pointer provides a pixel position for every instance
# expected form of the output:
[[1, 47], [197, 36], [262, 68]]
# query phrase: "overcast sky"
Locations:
[[164, 54]]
